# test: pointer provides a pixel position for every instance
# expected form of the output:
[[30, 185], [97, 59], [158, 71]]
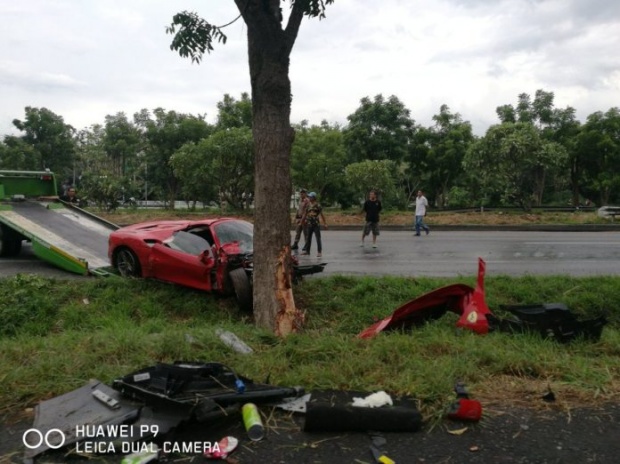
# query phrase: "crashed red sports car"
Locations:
[[211, 254]]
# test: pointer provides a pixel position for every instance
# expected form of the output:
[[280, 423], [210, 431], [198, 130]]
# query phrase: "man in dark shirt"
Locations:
[[312, 218], [70, 196], [372, 207]]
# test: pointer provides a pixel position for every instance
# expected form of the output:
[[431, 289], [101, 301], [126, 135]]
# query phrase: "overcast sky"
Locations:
[[85, 59]]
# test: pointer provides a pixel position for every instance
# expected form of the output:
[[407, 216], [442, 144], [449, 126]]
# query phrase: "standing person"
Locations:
[[372, 208], [301, 209], [312, 217], [70, 196], [421, 203], [65, 187]]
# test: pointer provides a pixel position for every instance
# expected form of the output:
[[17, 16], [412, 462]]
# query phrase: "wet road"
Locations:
[[454, 253], [441, 254]]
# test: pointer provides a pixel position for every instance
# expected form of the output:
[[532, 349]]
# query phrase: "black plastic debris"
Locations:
[[147, 404], [199, 389], [92, 411], [551, 320], [334, 412]]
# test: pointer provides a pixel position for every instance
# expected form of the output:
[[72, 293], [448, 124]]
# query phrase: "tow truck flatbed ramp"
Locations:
[[64, 235]]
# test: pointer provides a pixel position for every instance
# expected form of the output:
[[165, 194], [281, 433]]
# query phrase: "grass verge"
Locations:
[[55, 335], [353, 217]]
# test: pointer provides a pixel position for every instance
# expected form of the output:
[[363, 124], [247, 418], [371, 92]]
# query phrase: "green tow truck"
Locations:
[[60, 232]]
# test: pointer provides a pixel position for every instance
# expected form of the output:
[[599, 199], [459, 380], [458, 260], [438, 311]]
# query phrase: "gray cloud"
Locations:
[[573, 42], [29, 81], [84, 60]]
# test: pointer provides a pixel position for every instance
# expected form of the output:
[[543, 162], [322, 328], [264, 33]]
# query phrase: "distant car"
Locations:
[[214, 255]]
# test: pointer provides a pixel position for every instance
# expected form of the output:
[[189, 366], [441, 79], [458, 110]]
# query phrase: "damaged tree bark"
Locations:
[[289, 319]]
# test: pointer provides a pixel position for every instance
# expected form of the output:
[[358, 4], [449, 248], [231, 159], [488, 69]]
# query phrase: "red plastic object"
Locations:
[[222, 449], [466, 409], [458, 298], [475, 307]]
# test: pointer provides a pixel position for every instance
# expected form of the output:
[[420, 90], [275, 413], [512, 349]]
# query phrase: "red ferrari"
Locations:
[[214, 255]]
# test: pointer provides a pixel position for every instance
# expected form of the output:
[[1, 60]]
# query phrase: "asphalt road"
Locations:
[[454, 253], [440, 254]]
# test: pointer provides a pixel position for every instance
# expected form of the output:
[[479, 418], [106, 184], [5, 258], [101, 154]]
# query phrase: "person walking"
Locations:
[[312, 218], [372, 208], [300, 227], [421, 203]]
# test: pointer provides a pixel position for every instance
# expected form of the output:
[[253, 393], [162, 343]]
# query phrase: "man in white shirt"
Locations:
[[421, 203]]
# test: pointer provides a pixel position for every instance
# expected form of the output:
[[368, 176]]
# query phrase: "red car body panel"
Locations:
[[461, 299], [150, 242], [179, 268]]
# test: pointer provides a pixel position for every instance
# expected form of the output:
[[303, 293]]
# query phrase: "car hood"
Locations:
[[154, 230]]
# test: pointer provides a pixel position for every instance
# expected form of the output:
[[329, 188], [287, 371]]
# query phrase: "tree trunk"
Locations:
[[274, 307], [605, 193], [539, 186], [574, 180], [444, 193]]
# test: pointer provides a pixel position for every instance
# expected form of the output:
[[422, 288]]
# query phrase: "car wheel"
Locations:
[[243, 289], [10, 243], [127, 263]]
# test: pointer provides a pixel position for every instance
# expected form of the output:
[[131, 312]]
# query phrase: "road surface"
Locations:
[[454, 253], [440, 254]]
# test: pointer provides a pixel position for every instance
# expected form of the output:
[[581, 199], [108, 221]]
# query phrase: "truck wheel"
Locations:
[[127, 263], [10, 242], [243, 289]]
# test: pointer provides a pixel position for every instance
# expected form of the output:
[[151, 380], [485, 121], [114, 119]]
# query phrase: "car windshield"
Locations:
[[188, 243], [241, 232]]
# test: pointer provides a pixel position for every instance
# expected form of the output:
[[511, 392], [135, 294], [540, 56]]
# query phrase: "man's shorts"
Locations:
[[371, 227]]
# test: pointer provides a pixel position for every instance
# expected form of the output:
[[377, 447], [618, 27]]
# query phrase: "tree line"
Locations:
[[536, 154]]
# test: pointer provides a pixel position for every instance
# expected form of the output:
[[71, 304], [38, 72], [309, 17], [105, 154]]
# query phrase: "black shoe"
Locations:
[[295, 247], [416, 235], [428, 231]]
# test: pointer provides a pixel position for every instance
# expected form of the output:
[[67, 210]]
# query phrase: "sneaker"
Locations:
[[318, 255], [374, 245], [304, 252]]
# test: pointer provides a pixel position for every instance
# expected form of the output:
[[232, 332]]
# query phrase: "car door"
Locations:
[[184, 259]]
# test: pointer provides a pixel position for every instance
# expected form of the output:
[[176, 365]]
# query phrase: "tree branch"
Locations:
[[193, 36], [294, 21]]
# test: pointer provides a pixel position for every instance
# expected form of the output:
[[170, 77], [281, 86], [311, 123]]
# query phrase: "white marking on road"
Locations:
[[559, 242]]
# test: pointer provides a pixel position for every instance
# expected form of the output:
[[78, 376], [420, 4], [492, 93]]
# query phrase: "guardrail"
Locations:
[[608, 212]]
